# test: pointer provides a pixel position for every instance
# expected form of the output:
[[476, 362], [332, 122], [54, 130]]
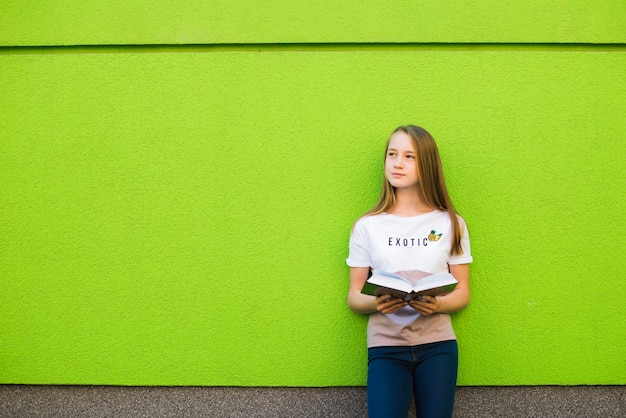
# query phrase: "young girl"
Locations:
[[413, 231]]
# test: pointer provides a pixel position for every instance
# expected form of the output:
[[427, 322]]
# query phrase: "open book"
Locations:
[[382, 282]]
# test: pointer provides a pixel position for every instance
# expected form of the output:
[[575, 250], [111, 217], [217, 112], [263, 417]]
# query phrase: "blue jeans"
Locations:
[[427, 371]]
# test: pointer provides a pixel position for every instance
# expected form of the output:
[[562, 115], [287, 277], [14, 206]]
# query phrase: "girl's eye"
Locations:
[[412, 157]]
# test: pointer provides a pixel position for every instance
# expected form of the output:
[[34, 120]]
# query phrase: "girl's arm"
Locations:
[[366, 304], [454, 301]]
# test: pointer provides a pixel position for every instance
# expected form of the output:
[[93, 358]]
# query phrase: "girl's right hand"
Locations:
[[387, 304]]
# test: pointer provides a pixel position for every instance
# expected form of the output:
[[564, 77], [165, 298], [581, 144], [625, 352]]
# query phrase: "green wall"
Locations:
[[177, 186], [120, 22]]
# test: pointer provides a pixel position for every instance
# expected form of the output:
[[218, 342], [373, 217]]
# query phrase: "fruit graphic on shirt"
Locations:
[[434, 236]]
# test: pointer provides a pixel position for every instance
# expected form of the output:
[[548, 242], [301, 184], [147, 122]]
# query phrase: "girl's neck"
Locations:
[[409, 203]]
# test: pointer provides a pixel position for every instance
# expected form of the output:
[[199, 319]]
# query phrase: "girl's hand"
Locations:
[[387, 304], [426, 305]]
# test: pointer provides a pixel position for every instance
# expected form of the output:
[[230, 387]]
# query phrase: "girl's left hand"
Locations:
[[426, 305]]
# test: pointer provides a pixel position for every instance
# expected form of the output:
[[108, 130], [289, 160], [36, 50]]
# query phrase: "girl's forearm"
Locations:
[[360, 303], [454, 301]]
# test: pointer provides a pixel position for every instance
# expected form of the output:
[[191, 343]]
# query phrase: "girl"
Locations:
[[413, 231]]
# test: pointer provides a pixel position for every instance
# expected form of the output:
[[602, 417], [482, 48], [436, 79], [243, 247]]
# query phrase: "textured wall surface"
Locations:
[[72, 22], [181, 216]]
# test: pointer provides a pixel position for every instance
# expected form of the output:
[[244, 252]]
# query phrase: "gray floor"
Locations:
[[112, 401]]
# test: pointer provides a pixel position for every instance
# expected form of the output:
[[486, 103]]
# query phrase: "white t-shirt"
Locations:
[[414, 247]]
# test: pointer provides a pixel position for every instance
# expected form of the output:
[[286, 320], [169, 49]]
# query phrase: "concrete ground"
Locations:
[[233, 402]]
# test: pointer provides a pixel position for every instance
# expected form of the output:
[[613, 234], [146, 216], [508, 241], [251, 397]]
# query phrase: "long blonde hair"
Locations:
[[432, 185]]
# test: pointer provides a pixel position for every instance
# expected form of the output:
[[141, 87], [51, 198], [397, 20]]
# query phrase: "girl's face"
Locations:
[[401, 161]]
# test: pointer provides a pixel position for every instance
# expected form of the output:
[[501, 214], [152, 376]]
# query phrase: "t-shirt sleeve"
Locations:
[[466, 257], [359, 255]]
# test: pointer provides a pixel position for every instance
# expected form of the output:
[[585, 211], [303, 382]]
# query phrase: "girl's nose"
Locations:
[[398, 162]]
